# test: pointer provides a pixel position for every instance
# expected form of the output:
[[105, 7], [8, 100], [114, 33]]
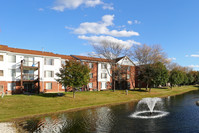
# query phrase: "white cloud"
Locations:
[[193, 55], [96, 40], [194, 66], [130, 22], [102, 28], [61, 5], [137, 22], [186, 55], [40, 9], [93, 3], [108, 6], [171, 59]]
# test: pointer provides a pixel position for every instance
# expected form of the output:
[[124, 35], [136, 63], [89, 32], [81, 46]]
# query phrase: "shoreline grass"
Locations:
[[23, 106]]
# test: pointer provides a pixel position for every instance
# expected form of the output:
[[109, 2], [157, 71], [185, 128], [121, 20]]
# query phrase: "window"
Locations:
[[104, 66], [28, 61], [11, 86], [12, 58], [129, 68], [48, 61], [48, 74], [1, 57], [128, 76], [12, 72], [91, 75], [62, 87], [104, 75], [90, 65], [49, 86], [63, 62], [1, 72], [138, 72], [90, 85], [106, 84], [1, 88], [128, 85]]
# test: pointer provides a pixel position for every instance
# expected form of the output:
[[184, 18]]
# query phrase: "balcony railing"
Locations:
[[30, 76], [30, 63]]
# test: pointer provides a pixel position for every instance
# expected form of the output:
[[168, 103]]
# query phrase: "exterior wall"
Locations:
[[132, 77], [138, 84], [8, 78], [56, 87], [103, 80], [98, 83], [95, 76]]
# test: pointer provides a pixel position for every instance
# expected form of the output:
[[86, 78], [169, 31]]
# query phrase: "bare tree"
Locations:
[[111, 51], [144, 56]]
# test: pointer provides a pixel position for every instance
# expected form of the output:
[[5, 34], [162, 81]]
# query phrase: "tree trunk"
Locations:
[[150, 89], [171, 86], [65, 88], [73, 92], [139, 87], [114, 85], [147, 85]]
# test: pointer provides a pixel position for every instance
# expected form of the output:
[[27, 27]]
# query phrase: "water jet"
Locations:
[[150, 103]]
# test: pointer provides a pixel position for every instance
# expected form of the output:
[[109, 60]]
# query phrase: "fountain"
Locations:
[[150, 103]]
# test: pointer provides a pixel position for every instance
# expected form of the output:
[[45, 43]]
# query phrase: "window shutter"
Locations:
[[45, 74], [52, 61], [1, 57], [52, 73], [44, 61]]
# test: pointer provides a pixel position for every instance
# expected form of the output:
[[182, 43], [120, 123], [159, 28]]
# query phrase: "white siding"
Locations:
[[6, 66], [100, 71]]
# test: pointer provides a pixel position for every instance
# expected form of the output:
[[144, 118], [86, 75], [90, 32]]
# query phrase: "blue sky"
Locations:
[[68, 26]]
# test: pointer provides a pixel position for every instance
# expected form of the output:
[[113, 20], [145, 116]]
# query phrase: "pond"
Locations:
[[183, 117]]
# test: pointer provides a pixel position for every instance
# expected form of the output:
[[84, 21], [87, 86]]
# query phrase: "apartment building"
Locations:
[[31, 71]]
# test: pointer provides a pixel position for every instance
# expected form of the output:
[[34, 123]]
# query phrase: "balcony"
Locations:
[[29, 77], [29, 65], [28, 70]]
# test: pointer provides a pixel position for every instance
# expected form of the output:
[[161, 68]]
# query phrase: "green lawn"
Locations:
[[16, 106]]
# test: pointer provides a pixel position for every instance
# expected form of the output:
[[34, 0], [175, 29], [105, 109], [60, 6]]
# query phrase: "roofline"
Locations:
[[76, 57]]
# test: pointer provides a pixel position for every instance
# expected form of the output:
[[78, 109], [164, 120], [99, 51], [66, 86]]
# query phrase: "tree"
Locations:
[[111, 51], [161, 75], [176, 77], [73, 74], [186, 80], [144, 54], [190, 78], [195, 75], [149, 58], [146, 75], [154, 75]]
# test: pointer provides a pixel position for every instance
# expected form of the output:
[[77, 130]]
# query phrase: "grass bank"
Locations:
[[17, 106]]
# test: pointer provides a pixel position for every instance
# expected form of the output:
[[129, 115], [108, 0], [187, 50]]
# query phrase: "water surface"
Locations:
[[183, 118]]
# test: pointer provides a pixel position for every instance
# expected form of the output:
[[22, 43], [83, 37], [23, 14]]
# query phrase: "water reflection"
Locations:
[[105, 120], [92, 120], [184, 117]]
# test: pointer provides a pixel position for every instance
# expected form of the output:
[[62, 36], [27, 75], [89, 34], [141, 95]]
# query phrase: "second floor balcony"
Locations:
[[30, 65], [30, 77]]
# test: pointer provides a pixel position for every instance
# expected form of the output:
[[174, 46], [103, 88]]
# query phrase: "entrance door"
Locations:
[[29, 87], [103, 86]]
